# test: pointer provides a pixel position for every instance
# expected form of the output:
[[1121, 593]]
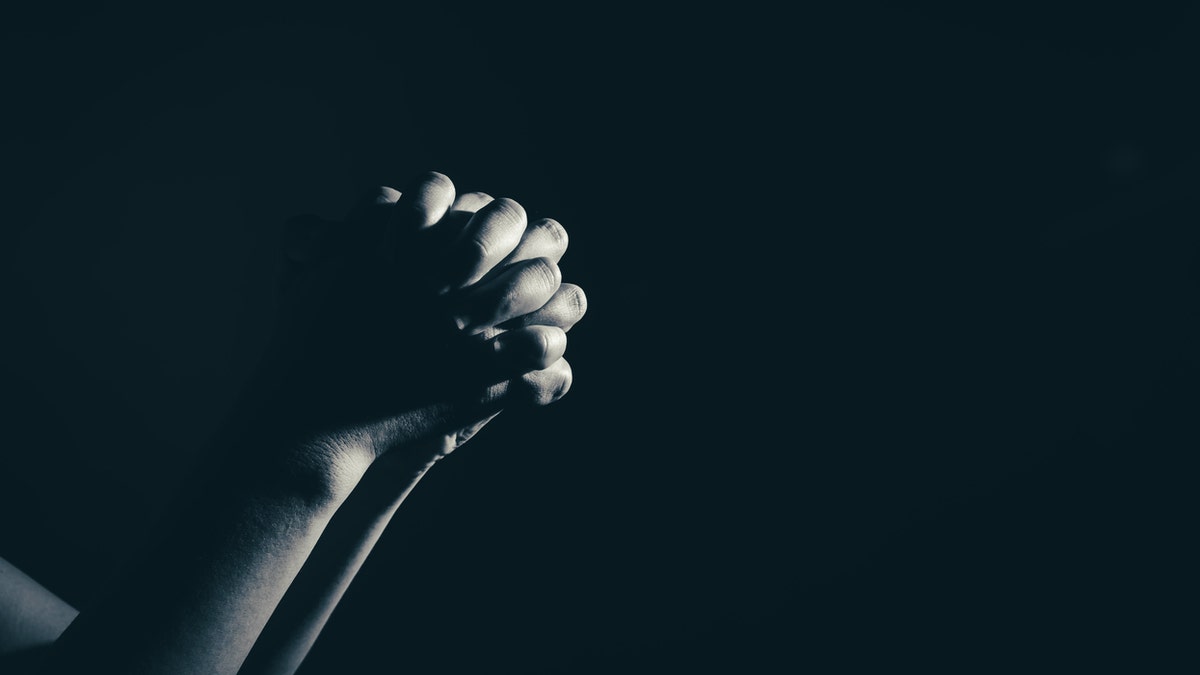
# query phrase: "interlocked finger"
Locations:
[[564, 310], [520, 289], [488, 238]]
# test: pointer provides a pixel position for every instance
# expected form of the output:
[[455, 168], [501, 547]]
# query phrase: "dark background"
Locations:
[[891, 356]]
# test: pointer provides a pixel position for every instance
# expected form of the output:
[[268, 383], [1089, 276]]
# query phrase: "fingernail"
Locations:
[[461, 321]]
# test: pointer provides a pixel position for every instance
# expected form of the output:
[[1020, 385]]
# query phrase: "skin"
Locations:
[[361, 520], [405, 329], [31, 617]]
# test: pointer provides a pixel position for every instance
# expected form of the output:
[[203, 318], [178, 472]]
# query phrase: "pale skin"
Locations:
[[406, 328]]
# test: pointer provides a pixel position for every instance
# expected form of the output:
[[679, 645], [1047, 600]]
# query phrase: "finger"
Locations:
[[564, 310], [377, 201], [528, 348], [310, 238], [442, 235], [424, 202], [537, 387], [522, 288], [489, 236], [461, 211], [465, 206], [542, 387], [544, 238]]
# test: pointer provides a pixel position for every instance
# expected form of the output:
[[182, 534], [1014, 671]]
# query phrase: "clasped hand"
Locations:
[[410, 324]]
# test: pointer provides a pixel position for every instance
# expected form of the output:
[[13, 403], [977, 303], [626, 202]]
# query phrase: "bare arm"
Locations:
[[31, 619], [371, 364], [201, 595], [362, 519], [342, 550]]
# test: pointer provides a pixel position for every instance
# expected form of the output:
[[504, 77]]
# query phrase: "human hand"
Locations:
[[413, 322]]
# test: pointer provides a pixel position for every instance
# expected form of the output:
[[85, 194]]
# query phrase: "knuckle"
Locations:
[[555, 231], [435, 180], [575, 299], [383, 195], [541, 345], [543, 351], [507, 302], [430, 195], [478, 250], [435, 191], [545, 271], [508, 209], [562, 383], [549, 385], [476, 199], [544, 393], [501, 223]]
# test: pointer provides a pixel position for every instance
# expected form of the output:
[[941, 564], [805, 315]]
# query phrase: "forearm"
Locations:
[[341, 551], [199, 597], [30, 615]]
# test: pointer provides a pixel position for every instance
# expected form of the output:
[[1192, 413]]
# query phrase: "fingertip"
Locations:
[[366, 207], [549, 385], [531, 347], [509, 208], [553, 340], [489, 236], [542, 269], [384, 195], [554, 230], [561, 384], [436, 179], [427, 200], [575, 298], [549, 272], [470, 202]]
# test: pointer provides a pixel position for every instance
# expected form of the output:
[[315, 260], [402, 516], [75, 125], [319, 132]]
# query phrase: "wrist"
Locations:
[[319, 470], [265, 458], [322, 473], [287, 449]]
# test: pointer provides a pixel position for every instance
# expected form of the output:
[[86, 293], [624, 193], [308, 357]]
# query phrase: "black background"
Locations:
[[891, 356]]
